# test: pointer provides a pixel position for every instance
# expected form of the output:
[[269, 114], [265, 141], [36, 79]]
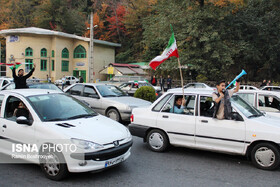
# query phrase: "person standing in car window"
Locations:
[[221, 98], [20, 80]]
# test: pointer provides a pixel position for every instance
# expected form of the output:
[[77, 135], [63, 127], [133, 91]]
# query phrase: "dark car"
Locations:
[[35, 85]]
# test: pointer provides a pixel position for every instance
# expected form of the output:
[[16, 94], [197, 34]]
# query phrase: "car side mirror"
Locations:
[[23, 120], [237, 117]]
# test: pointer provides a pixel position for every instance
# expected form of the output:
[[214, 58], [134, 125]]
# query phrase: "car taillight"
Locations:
[[156, 94], [131, 118]]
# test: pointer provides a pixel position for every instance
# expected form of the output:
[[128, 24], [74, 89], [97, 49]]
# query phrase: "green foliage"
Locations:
[[201, 78], [66, 16], [146, 92]]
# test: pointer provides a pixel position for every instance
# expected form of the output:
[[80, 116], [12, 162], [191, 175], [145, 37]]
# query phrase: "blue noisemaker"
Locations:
[[243, 72]]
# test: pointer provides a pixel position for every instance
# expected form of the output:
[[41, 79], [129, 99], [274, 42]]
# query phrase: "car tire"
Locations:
[[53, 166], [265, 156], [157, 140], [113, 114]]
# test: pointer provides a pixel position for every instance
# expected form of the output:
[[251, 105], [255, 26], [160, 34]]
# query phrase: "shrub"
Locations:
[[147, 93]]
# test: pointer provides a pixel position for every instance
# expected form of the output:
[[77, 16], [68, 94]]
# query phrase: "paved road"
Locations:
[[177, 167]]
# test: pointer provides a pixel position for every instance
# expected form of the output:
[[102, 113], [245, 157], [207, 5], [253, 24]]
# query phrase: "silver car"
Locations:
[[107, 100]]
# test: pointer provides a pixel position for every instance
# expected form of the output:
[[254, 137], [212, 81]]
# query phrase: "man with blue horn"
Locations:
[[221, 98]]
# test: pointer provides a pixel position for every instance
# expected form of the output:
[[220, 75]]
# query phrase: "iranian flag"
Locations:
[[171, 50]]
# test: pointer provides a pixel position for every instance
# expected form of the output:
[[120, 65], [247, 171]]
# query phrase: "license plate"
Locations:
[[112, 162]]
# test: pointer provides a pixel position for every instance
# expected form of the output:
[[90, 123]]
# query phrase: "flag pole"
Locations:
[[182, 83]]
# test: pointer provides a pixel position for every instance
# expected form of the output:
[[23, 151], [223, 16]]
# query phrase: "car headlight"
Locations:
[[87, 145]]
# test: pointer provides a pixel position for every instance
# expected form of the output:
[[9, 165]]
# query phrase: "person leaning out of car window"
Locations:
[[180, 104], [20, 80], [221, 98], [21, 110]]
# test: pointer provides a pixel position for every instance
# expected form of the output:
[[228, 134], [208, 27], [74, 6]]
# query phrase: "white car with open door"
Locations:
[[249, 133], [59, 132]]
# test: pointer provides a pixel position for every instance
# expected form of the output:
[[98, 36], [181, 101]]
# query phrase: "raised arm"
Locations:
[[14, 72], [31, 72], [237, 86]]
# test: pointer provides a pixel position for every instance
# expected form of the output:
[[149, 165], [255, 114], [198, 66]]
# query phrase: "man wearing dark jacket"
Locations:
[[20, 80], [221, 98]]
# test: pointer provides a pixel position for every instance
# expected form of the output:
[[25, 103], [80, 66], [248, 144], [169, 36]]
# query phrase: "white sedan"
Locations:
[[249, 132], [59, 132], [70, 79]]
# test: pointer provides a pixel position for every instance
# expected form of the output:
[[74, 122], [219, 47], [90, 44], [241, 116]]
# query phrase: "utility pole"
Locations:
[[91, 61]]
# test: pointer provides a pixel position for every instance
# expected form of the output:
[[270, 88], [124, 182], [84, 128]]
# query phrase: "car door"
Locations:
[[13, 132], [214, 134], [180, 127], [90, 96]]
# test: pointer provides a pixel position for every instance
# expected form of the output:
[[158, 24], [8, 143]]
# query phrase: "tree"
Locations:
[[65, 16]]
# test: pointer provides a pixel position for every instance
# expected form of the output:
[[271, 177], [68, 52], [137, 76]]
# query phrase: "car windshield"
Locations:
[[110, 91], [58, 107], [246, 109], [12, 86], [45, 86]]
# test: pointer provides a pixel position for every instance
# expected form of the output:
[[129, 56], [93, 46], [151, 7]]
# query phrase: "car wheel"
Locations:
[[53, 165], [157, 140], [266, 156], [113, 114]]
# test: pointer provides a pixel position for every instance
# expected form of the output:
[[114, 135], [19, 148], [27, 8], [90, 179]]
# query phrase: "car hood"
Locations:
[[130, 101], [267, 120], [98, 129]]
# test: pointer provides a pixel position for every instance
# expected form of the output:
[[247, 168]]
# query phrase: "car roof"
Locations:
[[192, 91], [260, 91], [29, 92], [271, 87], [91, 84]]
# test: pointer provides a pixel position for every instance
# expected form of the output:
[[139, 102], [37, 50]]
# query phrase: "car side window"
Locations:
[[76, 90], [15, 107], [89, 91], [125, 86], [174, 105], [135, 85], [169, 105], [10, 87], [206, 106], [248, 97], [269, 103], [1, 100], [5, 82], [160, 104]]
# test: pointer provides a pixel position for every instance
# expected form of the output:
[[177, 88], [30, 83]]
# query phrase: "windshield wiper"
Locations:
[[122, 95], [56, 119], [109, 96], [82, 116], [254, 115]]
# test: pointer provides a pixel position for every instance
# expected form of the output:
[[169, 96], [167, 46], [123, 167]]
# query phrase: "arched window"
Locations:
[[65, 53], [43, 52], [28, 51], [80, 52]]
